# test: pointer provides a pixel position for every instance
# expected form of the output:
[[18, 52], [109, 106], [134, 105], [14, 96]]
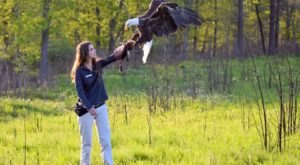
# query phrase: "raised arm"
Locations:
[[118, 54]]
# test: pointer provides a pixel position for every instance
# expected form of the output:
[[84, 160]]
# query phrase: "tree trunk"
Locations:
[[44, 59], [260, 26], [76, 33], [112, 27], [185, 43], [272, 27], [76, 37], [6, 39], [240, 27], [289, 15], [215, 29], [185, 34], [98, 29], [295, 25], [205, 40], [44, 43], [277, 13], [195, 42]]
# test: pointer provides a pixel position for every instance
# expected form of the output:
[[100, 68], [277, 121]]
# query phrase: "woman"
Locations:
[[87, 75]]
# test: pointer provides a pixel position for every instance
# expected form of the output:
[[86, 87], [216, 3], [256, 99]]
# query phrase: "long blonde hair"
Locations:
[[81, 57]]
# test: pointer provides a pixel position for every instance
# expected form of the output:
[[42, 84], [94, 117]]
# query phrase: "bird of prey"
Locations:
[[161, 19]]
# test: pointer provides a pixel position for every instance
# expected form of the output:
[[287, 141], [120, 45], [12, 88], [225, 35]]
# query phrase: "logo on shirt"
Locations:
[[89, 75]]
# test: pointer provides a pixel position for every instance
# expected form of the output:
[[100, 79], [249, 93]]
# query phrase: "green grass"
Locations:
[[199, 134], [211, 128]]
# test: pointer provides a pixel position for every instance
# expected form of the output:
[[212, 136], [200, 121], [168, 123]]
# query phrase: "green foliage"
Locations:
[[60, 50], [74, 21]]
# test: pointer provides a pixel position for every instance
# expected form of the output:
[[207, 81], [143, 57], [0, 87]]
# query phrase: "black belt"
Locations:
[[99, 105]]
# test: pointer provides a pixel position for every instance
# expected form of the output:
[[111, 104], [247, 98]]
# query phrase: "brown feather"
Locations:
[[152, 7], [162, 19]]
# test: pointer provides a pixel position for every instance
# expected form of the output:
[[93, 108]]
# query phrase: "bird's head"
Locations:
[[131, 22]]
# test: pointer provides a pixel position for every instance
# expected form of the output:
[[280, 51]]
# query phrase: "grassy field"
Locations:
[[38, 127]]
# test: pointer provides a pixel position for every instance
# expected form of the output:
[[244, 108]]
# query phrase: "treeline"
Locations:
[[37, 38]]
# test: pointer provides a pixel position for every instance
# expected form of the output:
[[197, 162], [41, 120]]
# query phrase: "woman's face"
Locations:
[[92, 51]]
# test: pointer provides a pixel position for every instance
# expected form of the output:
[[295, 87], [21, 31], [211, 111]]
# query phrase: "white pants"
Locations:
[[86, 127]]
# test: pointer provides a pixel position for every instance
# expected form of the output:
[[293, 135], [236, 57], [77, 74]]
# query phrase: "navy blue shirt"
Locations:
[[89, 84]]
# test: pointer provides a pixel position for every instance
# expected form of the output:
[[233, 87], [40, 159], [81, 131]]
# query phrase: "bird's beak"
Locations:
[[131, 22], [146, 49], [126, 27]]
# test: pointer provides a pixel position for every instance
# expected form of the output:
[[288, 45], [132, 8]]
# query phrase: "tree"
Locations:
[[45, 40], [98, 28], [272, 26], [277, 15], [215, 28], [112, 26], [240, 27], [260, 26]]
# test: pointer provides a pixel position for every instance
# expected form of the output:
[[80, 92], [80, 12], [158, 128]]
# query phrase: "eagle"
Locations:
[[161, 19]]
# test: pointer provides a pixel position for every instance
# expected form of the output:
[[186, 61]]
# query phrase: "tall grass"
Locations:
[[189, 124]]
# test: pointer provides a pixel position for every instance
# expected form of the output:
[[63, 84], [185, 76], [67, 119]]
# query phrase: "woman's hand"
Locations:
[[120, 52], [92, 111]]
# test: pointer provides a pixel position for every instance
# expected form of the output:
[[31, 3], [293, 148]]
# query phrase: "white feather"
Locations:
[[146, 49], [132, 22]]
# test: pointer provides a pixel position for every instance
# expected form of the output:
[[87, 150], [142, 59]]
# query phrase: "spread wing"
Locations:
[[169, 17], [166, 19], [152, 7], [137, 36]]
